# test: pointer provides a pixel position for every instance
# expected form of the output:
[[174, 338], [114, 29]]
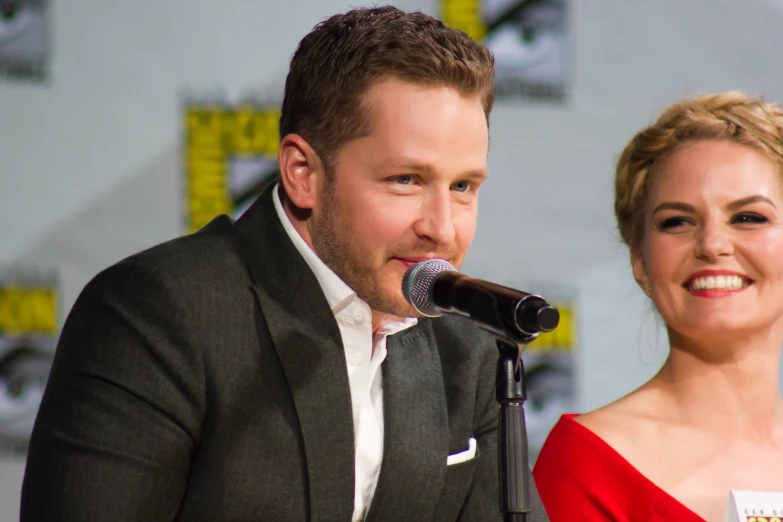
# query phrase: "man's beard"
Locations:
[[334, 243]]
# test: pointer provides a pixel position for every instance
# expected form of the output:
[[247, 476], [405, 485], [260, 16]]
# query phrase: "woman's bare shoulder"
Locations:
[[626, 422]]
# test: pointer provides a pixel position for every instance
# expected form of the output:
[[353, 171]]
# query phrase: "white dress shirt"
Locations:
[[364, 353]]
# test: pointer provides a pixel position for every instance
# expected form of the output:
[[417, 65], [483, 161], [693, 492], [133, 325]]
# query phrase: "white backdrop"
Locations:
[[90, 160]]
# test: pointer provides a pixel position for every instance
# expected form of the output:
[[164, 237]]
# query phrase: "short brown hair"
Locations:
[[727, 116], [340, 60]]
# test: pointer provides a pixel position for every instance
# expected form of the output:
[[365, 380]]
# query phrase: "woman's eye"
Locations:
[[672, 222], [749, 218]]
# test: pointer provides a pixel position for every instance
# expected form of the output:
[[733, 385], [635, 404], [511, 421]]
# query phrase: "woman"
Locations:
[[699, 202]]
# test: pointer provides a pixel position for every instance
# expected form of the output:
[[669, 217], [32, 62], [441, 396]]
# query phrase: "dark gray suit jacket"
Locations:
[[205, 380]]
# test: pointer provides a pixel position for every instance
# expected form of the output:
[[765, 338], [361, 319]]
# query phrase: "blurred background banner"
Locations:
[[24, 39], [29, 315], [550, 370], [230, 155], [529, 39]]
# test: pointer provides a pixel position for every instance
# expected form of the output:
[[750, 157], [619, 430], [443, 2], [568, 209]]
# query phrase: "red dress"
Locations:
[[580, 477]]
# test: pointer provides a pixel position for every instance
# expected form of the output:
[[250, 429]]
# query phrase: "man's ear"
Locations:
[[301, 171]]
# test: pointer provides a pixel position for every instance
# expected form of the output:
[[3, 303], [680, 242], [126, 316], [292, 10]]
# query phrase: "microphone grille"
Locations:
[[417, 284]]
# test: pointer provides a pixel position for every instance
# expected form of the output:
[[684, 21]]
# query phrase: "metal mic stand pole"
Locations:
[[513, 466]]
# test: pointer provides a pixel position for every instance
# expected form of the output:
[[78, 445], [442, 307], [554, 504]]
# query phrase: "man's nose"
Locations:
[[436, 221]]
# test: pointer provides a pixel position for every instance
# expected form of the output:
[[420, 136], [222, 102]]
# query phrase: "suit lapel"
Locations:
[[415, 429], [308, 344]]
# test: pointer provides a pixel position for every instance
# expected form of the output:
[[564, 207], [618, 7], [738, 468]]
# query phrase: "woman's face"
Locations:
[[712, 253]]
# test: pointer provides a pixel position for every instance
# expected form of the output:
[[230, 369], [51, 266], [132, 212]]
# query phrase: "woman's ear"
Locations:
[[640, 270]]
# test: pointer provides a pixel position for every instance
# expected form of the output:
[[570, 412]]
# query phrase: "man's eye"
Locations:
[[404, 180], [461, 186]]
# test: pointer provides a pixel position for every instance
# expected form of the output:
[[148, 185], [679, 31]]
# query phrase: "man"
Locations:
[[270, 369]]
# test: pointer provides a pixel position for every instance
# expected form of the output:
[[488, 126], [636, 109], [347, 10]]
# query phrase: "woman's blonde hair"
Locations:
[[727, 116]]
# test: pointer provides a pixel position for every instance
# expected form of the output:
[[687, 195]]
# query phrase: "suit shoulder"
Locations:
[[206, 258]]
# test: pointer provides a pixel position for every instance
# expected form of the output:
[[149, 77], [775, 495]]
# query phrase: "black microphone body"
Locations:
[[434, 287], [498, 308]]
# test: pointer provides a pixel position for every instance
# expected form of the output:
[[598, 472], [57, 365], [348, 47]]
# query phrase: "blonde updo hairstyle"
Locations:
[[727, 116]]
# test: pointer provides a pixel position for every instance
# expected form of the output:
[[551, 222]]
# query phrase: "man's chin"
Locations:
[[396, 306]]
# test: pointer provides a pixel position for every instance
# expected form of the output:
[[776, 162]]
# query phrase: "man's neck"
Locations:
[[380, 319], [300, 220]]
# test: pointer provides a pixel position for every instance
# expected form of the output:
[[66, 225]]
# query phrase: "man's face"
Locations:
[[408, 191]]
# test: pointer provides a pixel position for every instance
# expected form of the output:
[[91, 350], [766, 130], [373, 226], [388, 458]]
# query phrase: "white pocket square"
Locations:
[[463, 456]]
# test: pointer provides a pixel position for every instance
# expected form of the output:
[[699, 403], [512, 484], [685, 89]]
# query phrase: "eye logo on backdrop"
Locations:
[[24, 39], [230, 157], [529, 39], [28, 335]]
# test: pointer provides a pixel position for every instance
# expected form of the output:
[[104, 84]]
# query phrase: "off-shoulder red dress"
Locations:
[[580, 477]]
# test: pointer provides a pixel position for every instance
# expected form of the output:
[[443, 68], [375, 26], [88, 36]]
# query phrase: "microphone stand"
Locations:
[[499, 311], [510, 393], [513, 466]]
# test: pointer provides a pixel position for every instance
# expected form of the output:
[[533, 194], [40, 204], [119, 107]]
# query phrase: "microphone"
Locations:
[[435, 287]]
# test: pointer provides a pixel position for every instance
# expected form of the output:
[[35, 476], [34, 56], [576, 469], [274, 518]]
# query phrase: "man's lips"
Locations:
[[410, 261]]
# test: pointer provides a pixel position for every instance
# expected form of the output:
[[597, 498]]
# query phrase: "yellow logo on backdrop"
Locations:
[[465, 15], [215, 135], [562, 338], [255, 132], [28, 310]]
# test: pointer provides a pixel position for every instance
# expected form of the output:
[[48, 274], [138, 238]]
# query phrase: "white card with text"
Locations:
[[755, 506]]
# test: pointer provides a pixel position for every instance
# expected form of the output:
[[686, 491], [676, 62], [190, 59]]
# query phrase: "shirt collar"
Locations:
[[338, 294]]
